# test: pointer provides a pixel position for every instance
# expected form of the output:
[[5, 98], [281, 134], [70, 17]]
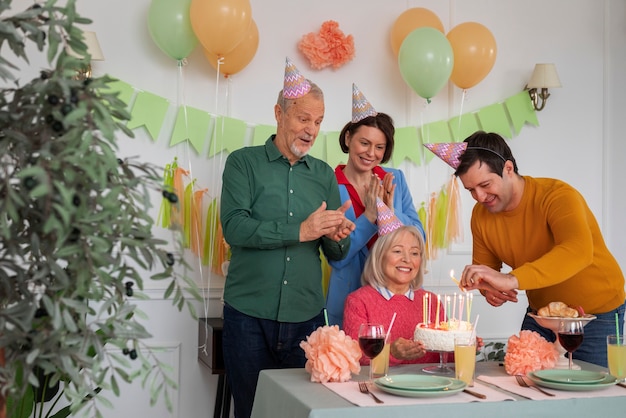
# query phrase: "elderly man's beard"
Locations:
[[299, 151]]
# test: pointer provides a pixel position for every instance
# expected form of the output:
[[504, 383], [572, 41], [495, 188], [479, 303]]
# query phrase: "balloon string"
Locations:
[[425, 132], [212, 221], [458, 138], [182, 104]]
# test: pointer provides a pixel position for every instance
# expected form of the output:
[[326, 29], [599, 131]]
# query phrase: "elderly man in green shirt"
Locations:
[[279, 206]]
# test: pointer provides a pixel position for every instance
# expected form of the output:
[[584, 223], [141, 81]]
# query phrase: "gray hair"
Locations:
[[373, 271], [287, 103]]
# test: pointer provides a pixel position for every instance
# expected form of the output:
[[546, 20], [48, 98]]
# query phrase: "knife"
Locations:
[[478, 395]]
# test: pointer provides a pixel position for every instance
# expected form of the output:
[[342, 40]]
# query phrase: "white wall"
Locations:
[[579, 138]]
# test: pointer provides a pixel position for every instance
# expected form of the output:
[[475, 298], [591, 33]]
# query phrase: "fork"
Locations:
[[522, 382], [363, 388]]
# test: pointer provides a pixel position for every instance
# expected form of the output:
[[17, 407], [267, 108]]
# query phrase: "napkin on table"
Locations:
[[509, 383], [350, 392]]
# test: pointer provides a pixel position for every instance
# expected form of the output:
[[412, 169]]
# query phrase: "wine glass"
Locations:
[[371, 341], [570, 336]]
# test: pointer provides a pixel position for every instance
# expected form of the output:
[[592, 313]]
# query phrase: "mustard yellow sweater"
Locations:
[[553, 243]]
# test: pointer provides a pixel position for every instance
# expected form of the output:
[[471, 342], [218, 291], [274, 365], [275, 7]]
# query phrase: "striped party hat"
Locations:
[[387, 220], [361, 108], [449, 152], [295, 84]]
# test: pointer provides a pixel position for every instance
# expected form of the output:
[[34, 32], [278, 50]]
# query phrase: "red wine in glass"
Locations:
[[570, 336], [370, 346], [371, 340], [569, 341]]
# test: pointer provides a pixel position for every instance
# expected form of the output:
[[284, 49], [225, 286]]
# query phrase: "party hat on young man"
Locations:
[[361, 108], [449, 152], [295, 84], [387, 220]]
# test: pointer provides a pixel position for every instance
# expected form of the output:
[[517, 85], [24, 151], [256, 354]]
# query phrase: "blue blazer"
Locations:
[[345, 275]]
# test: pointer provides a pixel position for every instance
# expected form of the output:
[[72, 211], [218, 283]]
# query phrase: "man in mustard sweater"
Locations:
[[543, 229]]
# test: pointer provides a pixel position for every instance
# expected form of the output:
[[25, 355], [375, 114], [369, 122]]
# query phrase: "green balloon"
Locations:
[[426, 61], [170, 27]]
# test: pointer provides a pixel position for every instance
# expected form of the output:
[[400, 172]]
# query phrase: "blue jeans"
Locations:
[[593, 348], [253, 344]]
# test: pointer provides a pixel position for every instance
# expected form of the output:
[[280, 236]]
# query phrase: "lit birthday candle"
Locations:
[[454, 278]]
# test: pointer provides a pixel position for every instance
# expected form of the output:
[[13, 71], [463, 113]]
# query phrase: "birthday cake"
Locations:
[[442, 338]]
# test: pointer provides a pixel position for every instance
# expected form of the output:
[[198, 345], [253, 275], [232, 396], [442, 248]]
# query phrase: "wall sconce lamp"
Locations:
[[544, 77], [93, 50]]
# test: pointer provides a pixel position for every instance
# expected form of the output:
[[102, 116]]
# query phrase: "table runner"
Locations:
[[350, 392], [509, 383]]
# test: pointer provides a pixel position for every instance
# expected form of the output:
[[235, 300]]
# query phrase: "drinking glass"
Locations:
[[465, 358], [616, 353], [570, 336], [380, 363], [371, 341]]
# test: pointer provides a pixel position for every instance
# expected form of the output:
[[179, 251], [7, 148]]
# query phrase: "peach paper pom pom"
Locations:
[[332, 356], [328, 47], [529, 352]]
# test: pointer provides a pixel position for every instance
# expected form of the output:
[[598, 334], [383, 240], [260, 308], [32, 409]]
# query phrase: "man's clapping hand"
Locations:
[[330, 223]]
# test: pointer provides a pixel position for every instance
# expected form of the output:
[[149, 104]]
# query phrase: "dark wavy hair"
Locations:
[[489, 148], [381, 121]]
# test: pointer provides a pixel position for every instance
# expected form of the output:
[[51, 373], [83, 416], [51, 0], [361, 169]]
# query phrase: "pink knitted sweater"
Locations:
[[367, 305]]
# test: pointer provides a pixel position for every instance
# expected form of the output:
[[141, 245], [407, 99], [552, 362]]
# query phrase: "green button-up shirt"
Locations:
[[272, 275]]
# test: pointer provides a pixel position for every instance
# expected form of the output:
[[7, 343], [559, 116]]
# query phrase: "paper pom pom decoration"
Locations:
[[328, 47], [528, 353], [332, 356]]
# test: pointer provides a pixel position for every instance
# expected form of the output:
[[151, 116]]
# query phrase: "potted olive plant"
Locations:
[[76, 238]]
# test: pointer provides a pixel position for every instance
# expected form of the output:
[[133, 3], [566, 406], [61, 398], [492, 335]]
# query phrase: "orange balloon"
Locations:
[[475, 50], [237, 59], [220, 25], [410, 20]]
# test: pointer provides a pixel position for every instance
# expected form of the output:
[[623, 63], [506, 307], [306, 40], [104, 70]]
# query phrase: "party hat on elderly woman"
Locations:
[[361, 108], [295, 84], [387, 220], [449, 152]]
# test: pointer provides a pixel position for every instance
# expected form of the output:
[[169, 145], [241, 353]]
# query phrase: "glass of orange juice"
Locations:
[[380, 363], [616, 353], [465, 358]]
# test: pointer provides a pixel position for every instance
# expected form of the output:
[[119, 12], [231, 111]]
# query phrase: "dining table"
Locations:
[[290, 393]]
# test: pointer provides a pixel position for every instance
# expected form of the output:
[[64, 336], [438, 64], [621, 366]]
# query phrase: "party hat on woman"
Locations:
[[361, 108], [387, 220]]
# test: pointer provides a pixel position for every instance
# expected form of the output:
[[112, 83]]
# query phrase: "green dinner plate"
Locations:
[[574, 377], [608, 381], [455, 387], [414, 382]]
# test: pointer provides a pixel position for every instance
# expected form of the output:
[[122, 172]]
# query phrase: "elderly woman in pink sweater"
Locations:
[[392, 283]]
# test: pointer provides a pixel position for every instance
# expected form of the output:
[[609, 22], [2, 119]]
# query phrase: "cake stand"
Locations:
[[442, 367], [552, 323]]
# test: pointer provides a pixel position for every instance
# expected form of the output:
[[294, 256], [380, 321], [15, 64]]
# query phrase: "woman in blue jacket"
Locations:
[[368, 140]]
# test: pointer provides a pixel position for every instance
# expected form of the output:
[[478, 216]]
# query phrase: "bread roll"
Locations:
[[558, 309]]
